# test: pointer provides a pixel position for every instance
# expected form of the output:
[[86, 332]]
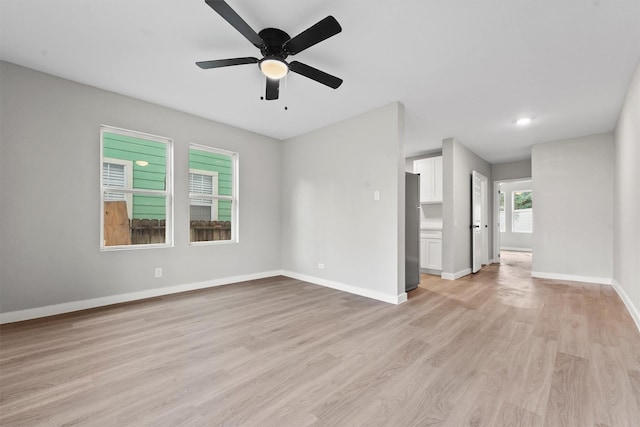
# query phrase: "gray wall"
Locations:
[[49, 181], [329, 215], [511, 170], [626, 248], [458, 162], [573, 221], [508, 239]]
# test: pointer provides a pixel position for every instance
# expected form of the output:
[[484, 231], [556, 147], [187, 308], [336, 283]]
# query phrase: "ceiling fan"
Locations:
[[275, 46]]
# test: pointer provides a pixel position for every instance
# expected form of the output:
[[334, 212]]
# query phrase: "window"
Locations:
[[203, 182], [135, 189], [117, 173], [213, 201], [522, 219], [502, 220]]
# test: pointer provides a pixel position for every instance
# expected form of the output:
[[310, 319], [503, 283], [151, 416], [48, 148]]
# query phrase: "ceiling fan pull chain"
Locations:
[[286, 92], [262, 89]]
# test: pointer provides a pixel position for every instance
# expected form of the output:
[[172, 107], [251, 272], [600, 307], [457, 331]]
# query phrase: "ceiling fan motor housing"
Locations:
[[274, 40]]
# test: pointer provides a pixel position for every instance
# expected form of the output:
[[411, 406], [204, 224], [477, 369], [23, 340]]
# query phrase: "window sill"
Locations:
[[134, 247], [213, 243]]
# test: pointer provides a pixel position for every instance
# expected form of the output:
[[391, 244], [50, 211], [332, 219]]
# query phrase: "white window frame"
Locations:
[[130, 191], [214, 185], [514, 210], [235, 205]]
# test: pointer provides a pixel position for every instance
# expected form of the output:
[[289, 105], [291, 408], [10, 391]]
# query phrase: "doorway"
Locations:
[[513, 214]]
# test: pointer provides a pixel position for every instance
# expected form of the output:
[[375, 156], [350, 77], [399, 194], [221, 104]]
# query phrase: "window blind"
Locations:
[[113, 176], [201, 184]]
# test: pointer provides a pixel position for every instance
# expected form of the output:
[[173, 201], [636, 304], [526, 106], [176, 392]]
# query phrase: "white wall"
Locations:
[[626, 243], [511, 170], [509, 239], [329, 215], [49, 216], [458, 162], [573, 220]]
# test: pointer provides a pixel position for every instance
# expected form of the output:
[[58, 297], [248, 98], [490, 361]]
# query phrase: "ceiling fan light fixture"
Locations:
[[274, 68]]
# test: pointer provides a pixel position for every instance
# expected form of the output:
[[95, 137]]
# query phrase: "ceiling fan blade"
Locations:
[[217, 63], [315, 34], [273, 89], [315, 74], [236, 21]]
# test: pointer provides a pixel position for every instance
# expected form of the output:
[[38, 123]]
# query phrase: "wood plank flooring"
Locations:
[[497, 348]]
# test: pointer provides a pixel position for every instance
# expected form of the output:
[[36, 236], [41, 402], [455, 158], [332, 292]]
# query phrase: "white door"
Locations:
[[485, 221], [478, 182]]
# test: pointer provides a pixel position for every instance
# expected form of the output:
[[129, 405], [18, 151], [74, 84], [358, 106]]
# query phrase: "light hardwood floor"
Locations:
[[492, 349]]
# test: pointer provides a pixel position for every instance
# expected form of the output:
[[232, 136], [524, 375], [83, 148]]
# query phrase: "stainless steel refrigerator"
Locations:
[[412, 231]]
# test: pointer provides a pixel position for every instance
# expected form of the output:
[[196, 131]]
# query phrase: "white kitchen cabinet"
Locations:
[[430, 171], [434, 254], [431, 249], [424, 253]]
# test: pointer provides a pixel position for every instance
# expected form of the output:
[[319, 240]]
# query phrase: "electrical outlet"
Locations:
[[158, 272], [321, 266], [376, 195]]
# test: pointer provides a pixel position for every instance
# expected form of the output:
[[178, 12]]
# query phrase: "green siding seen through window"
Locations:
[[149, 177], [135, 189], [213, 196], [222, 165]]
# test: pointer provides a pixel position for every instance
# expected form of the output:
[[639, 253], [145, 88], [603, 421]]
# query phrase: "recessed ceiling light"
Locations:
[[523, 121], [142, 163]]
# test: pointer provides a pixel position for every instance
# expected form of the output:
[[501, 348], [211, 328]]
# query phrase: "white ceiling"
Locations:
[[462, 68]]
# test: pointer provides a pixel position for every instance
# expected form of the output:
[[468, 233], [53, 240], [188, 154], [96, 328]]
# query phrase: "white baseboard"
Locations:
[[67, 307], [357, 290], [571, 277], [509, 248], [633, 310], [455, 276], [431, 271], [401, 298]]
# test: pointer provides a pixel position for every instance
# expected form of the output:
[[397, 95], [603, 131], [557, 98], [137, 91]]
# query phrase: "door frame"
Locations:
[[496, 214]]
